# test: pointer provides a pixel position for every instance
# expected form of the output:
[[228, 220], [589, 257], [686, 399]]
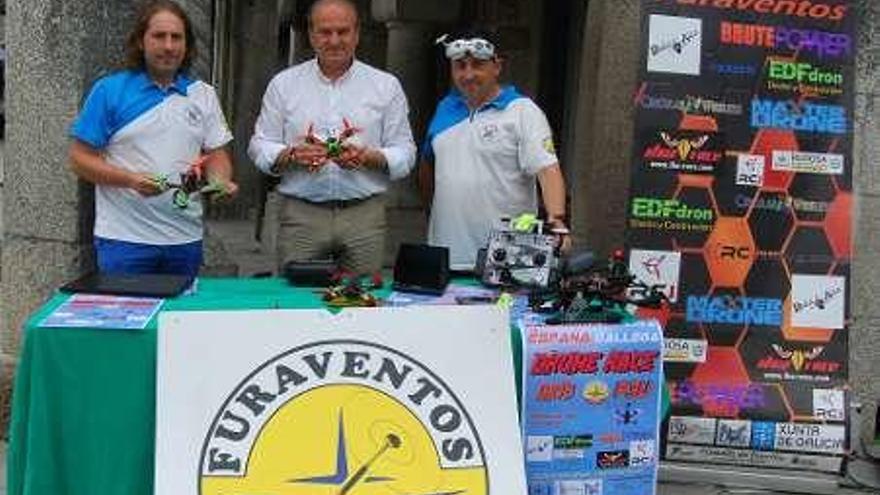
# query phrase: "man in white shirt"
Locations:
[[485, 146], [139, 125], [336, 131]]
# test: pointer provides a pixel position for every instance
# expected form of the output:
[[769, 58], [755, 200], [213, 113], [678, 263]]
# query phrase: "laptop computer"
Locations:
[[140, 285], [422, 269]]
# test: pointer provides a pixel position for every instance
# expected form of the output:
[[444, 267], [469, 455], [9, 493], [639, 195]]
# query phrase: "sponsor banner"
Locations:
[[734, 309], [763, 233], [750, 170], [745, 457], [817, 438], [804, 79], [822, 44], [657, 269], [367, 396], [722, 397], [733, 433], [685, 350], [616, 372], [790, 363], [805, 162], [690, 429], [787, 10], [763, 435], [817, 301], [690, 104], [800, 365], [670, 215], [675, 45], [829, 404], [682, 151], [803, 117]]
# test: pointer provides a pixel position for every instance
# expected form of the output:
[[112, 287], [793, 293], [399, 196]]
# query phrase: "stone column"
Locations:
[[411, 25], [56, 50], [604, 124], [408, 58], [864, 339]]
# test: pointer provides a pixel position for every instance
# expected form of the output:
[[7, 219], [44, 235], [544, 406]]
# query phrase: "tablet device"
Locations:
[[422, 269], [140, 285]]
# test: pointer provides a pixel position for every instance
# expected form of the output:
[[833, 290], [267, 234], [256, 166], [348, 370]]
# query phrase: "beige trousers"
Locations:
[[353, 233]]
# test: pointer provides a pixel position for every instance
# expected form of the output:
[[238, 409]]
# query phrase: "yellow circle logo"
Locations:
[[342, 418], [595, 392]]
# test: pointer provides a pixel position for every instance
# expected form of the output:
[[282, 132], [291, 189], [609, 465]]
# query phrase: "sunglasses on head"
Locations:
[[478, 48]]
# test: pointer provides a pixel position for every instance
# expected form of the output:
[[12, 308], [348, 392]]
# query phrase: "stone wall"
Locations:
[[604, 124], [55, 52]]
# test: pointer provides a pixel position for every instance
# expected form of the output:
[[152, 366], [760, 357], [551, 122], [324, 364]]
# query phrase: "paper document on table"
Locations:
[[102, 311]]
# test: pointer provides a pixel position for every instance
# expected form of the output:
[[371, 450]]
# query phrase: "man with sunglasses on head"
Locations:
[[484, 148], [336, 131]]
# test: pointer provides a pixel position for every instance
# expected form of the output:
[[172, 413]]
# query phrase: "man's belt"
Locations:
[[337, 204]]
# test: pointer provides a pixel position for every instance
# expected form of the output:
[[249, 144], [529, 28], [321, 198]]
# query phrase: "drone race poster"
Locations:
[[740, 207], [591, 403], [366, 401]]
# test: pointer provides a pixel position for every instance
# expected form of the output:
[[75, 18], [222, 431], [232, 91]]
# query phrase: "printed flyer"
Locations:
[[591, 408]]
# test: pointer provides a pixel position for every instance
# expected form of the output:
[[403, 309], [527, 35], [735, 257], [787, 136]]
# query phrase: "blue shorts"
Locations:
[[132, 257]]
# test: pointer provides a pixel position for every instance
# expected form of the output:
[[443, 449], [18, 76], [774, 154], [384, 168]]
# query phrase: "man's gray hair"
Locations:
[[345, 3]]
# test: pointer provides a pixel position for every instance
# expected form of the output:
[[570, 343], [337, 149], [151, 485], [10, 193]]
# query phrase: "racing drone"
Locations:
[[336, 143], [193, 181], [586, 292], [349, 290]]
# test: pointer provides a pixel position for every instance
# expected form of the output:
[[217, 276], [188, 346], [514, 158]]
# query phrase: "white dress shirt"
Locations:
[[301, 97]]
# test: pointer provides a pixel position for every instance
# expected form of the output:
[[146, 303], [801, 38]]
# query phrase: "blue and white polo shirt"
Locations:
[[141, 127], [484, 168]]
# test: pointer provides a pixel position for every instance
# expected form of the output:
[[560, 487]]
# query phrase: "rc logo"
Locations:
[[828, 404], [674, 45], [750, 170], [641, 453], [657, 268], [334, 416]]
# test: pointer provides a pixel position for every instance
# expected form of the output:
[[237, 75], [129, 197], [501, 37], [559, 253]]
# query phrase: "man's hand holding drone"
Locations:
[[196, 180], [341, 148]]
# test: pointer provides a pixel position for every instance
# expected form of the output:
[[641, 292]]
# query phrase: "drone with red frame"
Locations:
[[349, 290], [336, 144]]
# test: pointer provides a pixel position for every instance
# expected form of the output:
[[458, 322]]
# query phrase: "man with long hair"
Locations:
[[336, 131], [145, 133]]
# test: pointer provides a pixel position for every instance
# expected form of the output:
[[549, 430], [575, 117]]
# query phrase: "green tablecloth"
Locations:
[[83, 408]]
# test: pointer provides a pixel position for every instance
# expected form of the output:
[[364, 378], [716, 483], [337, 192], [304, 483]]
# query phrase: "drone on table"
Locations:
[[586, 292], [337, 142], [348, 290], [193, 181]]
